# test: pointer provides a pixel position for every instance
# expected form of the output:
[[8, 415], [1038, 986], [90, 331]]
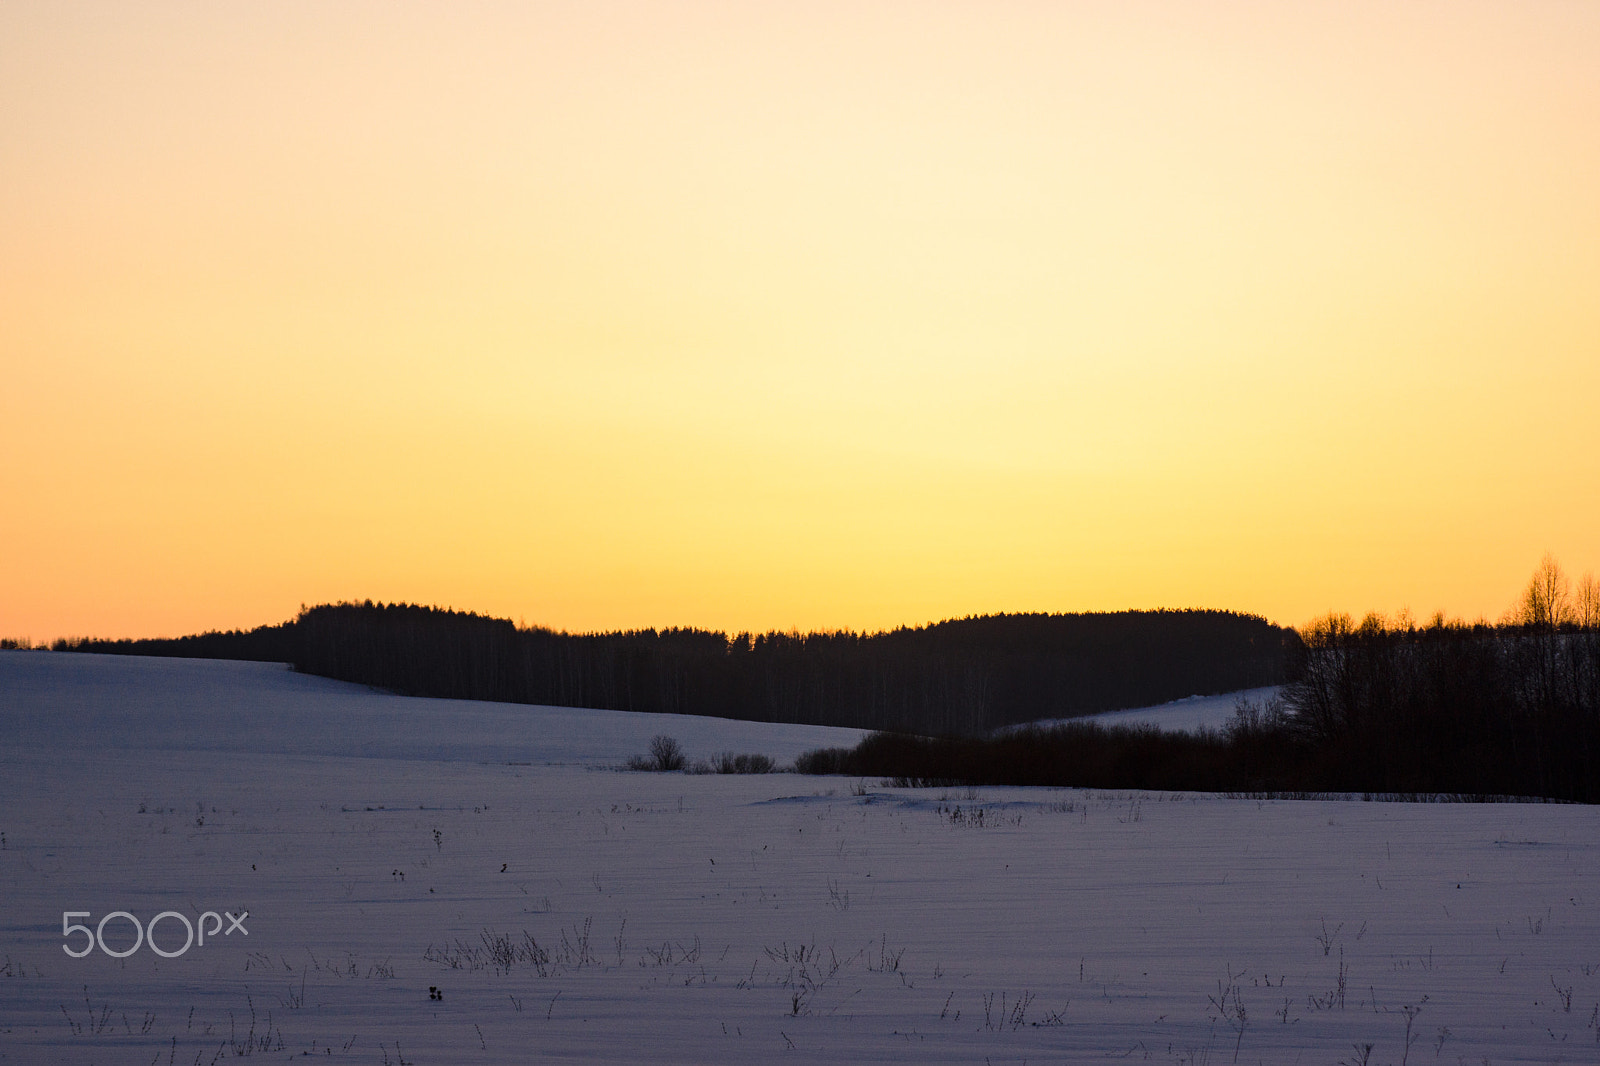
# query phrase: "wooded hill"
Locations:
[[957, 677]]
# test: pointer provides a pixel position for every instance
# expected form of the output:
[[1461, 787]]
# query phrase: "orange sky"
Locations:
[[801, 315]]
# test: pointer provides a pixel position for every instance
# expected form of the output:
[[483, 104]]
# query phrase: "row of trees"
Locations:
[[1452, 707], [1381, 706], [265, 644], [955, 677], [962, 676]]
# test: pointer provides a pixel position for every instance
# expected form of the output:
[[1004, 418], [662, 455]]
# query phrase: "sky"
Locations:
[[793, 315]]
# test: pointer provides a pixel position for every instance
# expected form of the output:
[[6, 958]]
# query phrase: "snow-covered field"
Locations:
[[562, 911], [1188, 715]]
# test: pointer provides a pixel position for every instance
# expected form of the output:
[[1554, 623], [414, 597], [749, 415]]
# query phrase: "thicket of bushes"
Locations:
[[1080, 754], [667, 756]]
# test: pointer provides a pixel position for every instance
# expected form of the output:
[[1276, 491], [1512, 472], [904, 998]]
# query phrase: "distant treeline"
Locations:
[[954, 677], [1386, 707], [265, 644]]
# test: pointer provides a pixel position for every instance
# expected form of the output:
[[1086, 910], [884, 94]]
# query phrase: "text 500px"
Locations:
[[97, 934]]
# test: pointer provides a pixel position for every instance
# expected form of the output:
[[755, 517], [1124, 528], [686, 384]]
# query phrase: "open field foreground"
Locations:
[[563, 911]]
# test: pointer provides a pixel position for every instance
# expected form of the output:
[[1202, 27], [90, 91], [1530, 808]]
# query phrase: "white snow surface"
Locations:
[[383, 846], [1188, 715], [122, 702]]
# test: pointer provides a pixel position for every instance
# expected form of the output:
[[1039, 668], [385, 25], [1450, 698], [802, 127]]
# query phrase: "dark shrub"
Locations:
[[729, 763], [823, 761]]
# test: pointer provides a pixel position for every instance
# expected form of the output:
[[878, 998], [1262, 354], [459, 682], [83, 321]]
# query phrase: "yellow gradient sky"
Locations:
[[771, 315]]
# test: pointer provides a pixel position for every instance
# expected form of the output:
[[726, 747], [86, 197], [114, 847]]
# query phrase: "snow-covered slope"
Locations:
[[126, 702], [435, 910], [1188, 715]]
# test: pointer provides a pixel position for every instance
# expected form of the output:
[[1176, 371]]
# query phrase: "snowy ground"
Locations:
[[1188, 715], [566, 913], [122, 702]]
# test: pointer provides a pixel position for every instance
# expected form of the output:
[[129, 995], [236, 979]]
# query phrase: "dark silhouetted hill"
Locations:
[[958, 677]]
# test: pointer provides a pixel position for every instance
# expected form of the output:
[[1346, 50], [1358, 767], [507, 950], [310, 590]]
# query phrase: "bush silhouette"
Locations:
[[665, 754]]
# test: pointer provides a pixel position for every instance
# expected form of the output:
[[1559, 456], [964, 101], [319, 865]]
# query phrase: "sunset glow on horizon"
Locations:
[[773, 316]]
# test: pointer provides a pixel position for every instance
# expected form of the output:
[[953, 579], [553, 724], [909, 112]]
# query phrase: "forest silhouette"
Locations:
[[1377, 707], [962, 676]]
